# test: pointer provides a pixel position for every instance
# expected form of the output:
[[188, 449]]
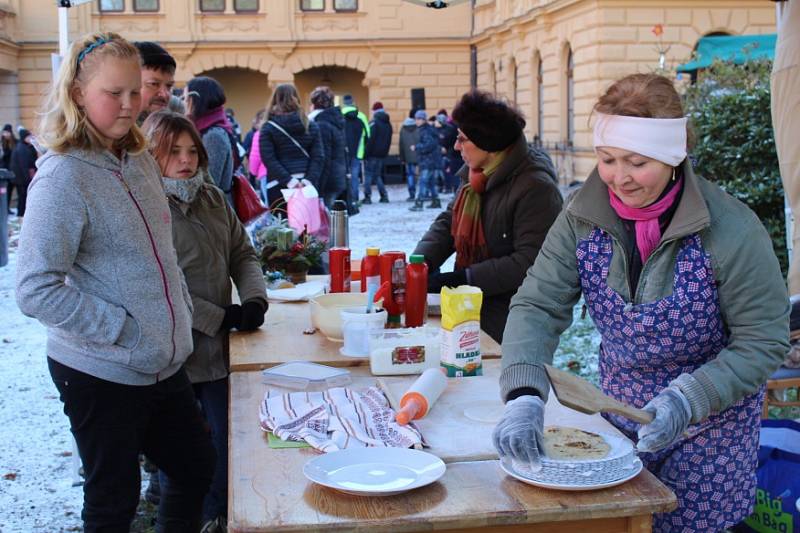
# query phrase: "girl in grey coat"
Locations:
[[212, 248]]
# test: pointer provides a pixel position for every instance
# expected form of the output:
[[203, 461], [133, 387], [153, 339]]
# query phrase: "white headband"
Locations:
[[662, 139]]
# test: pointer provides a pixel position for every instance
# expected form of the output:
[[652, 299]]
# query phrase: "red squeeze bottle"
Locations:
[[370, 268], [392, 268], [416, 291]]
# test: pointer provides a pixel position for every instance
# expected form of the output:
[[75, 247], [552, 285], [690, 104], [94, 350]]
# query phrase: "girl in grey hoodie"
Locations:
[[97, 267]]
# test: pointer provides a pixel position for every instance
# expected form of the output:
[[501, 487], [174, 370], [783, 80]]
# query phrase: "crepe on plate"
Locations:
[[571, 443]]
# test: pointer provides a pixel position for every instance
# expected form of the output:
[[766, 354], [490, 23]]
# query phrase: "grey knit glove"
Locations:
[[672, 415], [520, 433]]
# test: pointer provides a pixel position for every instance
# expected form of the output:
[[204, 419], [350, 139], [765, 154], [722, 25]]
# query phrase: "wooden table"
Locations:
[[281, 340], [268, 492]]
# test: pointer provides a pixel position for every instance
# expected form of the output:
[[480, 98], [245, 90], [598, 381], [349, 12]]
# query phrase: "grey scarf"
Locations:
[[184, 191]]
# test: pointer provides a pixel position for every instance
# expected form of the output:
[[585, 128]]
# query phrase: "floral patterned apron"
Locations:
[[712, 469]]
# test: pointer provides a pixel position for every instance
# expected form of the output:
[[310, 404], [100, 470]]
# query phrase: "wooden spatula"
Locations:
[[582, 396]]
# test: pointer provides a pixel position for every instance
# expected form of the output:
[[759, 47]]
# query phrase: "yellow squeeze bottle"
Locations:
[[419, 398]]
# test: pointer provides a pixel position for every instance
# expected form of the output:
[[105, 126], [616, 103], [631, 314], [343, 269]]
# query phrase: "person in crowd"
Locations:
[[23, 164], [376, 151], [439, 173], [254, 126], [333, 180], [429, 156], [213, 249], [237, 129], [409, 136], [256, 166], [7, 144], [158, 77], [291, 146], [118, 313], [452, 157], [356, 130], [498, 221], [204, 98], [665, 261]]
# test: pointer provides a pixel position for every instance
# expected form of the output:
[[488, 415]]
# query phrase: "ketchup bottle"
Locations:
[[393, 270], [416, 291], [370, 269]]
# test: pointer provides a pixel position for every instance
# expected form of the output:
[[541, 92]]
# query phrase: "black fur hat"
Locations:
[[487, 121]]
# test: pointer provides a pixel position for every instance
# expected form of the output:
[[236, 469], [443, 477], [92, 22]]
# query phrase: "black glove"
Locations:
[[233, 317], [252, 315], [446, 279]]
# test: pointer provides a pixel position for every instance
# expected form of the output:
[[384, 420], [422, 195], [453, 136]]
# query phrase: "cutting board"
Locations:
[[459, 425]]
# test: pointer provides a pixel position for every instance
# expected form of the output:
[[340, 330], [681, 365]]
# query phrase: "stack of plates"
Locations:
[[620, 465]]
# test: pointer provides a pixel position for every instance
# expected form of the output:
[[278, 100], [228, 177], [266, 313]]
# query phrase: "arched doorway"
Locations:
[[341, 80], [246, 91]]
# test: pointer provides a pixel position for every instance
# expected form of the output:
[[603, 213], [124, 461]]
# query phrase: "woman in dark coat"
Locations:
[[333, 180], [290, 145], [7, 144], [23, 164], [497, 223]]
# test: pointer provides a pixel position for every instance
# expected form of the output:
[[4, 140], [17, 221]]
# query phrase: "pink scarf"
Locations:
[[215, 117], [648, 230]]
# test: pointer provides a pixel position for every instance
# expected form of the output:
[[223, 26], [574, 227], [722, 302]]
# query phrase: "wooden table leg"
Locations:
[[640, 524]]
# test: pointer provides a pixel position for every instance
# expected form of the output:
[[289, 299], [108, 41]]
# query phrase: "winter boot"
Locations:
[[411, 198], [366, 201], [435, 204], [384, 200], [417, 206]]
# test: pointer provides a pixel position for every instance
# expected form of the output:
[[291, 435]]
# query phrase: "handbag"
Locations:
[[246, 202]]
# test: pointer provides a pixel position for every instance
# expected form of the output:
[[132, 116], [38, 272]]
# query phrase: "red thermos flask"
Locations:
[[416, 291], [340, 269]]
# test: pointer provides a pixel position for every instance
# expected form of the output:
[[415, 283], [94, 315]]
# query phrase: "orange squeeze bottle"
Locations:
[[419, 398]]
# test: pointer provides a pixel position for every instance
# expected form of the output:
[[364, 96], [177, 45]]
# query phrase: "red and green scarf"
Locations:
[[467, 224]]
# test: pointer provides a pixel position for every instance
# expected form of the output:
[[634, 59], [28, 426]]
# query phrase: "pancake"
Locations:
[[573, 444]]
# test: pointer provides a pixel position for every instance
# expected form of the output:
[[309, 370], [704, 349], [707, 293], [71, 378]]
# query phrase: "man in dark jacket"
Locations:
[[380, 139], [429, 154], [409, 136], [23, 164], [333, 180], [498, 221], [356, 131], [452, 157]]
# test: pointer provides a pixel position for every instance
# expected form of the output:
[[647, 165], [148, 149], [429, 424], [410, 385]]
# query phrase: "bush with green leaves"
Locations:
[[729, 110]]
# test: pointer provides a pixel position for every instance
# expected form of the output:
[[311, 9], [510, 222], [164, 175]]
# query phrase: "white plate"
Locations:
[[374, 471], [300, 293], [635, 469]]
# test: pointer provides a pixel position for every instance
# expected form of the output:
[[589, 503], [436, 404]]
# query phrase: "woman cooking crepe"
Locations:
[[682, 283]]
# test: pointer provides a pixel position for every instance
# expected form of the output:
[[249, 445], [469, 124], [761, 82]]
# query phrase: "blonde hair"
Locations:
[[63, 124]]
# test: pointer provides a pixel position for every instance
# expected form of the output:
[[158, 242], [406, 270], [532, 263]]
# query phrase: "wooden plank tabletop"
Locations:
[[281, 340], [268, 492]]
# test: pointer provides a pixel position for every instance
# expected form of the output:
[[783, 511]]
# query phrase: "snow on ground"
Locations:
[[36, 492]]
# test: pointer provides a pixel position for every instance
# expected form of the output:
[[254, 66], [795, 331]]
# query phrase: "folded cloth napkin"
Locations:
[[335, 419]]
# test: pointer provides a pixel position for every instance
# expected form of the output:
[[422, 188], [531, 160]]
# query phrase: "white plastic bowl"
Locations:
[[326, 311]]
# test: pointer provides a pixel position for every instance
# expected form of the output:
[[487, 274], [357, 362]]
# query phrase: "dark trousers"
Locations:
[[277, 204], [113, 423], [22, 197], [373, 171], [213, 398]]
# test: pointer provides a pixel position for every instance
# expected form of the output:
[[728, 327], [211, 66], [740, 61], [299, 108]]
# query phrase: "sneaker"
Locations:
[[384, 200], [217, 525], [435, 204], [366, 201]]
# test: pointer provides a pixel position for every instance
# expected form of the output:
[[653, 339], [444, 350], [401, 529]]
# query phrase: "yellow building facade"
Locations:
[[553, 58]]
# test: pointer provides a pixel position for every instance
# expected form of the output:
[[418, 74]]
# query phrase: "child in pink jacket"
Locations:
[[257, 167]]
